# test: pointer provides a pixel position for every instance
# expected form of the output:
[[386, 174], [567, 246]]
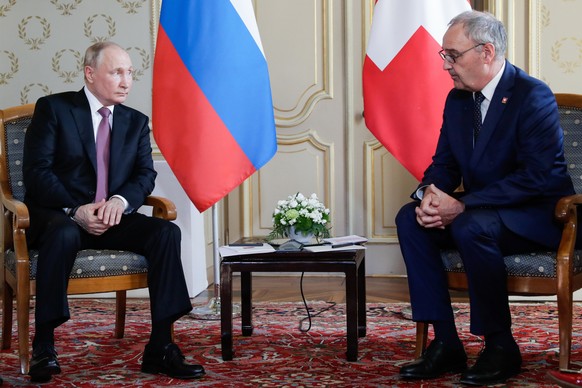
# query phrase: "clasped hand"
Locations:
[[97, 218], [437, 209]]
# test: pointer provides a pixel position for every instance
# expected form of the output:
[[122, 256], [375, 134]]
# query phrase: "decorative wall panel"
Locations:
[[557, 51], [43, 46], [388, 187], [300, 57], [303, 163]]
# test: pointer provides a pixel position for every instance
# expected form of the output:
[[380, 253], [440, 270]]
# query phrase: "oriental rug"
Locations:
[[279, 354]]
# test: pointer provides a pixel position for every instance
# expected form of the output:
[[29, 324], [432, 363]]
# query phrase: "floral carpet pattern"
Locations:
[[278, 354]]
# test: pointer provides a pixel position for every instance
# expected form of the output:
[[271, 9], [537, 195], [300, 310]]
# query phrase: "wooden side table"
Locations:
[[350, 262]]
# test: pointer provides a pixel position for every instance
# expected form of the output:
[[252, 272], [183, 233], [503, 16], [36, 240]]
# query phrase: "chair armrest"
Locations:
[[16, 220], [20, 217], [162, 207], [566, 207], [567, 212]]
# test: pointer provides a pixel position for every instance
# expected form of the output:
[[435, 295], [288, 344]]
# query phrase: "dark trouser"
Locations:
[[482, 240], [58, 238]]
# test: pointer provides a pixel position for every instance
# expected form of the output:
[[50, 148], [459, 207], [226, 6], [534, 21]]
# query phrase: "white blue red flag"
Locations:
[[212, 107], [404, 83]]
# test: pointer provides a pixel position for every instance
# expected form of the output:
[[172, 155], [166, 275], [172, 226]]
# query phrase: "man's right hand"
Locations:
[[86, 217], [427, 213], [437, 209]]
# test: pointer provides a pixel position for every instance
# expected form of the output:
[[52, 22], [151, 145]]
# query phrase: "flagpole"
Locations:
[[212, 310], [216, 244]]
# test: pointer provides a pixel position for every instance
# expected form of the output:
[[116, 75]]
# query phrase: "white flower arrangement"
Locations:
[[306, 214]]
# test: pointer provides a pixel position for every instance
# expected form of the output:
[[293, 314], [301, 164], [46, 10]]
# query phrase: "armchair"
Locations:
[[93, 272], [542, 273]]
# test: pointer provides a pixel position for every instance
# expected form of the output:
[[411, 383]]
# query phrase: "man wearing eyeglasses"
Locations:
[[501, 140]]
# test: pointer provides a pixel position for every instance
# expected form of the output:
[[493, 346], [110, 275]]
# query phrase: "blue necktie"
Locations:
[[477, 118]]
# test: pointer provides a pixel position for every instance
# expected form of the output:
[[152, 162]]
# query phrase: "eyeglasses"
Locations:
[[453, 58]]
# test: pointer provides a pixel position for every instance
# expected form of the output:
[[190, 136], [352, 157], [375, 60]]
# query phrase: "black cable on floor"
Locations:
[[309, 316]]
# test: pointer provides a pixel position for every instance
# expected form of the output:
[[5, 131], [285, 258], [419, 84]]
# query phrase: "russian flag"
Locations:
[[212, 108]]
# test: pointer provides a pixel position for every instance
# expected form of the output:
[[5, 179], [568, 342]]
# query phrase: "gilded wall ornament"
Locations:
[[66, 8], [88, 28], [24, 93], [34, 43], [4, 77], [545, 18], [568, 66], [145, 62], [131, 6], [68, 76], [5, 8]]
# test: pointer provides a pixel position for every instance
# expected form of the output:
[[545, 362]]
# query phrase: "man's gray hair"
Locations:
[[483, 27], [93, 53]]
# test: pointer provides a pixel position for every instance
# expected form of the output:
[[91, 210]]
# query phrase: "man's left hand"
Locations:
[[110, 212], [438, 209]]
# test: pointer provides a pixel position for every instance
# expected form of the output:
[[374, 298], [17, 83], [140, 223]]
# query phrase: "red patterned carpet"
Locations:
[[278, 354]]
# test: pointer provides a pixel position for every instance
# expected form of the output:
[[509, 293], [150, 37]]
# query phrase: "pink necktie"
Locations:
[[102, 145]]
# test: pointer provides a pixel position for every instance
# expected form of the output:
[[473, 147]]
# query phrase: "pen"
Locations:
[[245, 244], [341, 245]]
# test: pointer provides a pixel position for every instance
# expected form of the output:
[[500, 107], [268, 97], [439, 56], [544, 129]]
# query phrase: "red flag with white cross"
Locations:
[[404, 83]]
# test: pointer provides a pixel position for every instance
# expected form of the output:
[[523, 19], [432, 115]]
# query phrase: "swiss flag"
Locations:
[[404, 83]]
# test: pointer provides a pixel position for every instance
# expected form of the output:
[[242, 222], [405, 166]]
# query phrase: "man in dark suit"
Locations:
[[69, 213], [507, 154]]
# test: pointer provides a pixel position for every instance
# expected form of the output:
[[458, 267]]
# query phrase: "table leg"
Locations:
[[362, 299], [352, 313], [246, 286], [226, 311]]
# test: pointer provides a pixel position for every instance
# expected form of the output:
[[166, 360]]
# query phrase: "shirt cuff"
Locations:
[[419, 193], [125, 203]]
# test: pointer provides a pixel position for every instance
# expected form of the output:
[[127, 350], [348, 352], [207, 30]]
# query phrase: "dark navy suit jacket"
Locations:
[[517, 165], [60, 166]]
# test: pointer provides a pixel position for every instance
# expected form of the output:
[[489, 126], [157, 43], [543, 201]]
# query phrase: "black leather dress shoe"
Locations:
[[170, 362], [437, 360], [494, 366], [43, 363]]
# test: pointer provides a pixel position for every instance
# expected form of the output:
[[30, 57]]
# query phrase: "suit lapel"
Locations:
[[82, 115], [121, 123], [496, 109], [467, 122], [461, 124]]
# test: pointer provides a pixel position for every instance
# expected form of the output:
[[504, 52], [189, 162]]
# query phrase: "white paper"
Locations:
[[343, 240], [230, 250], [330, 248]]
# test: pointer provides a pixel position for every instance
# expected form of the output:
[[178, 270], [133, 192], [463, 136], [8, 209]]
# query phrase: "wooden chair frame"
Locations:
[[15, 222], [562, 285]]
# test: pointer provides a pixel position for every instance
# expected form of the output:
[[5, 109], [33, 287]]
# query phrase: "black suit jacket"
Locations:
[[60, 172], [60, 156]]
